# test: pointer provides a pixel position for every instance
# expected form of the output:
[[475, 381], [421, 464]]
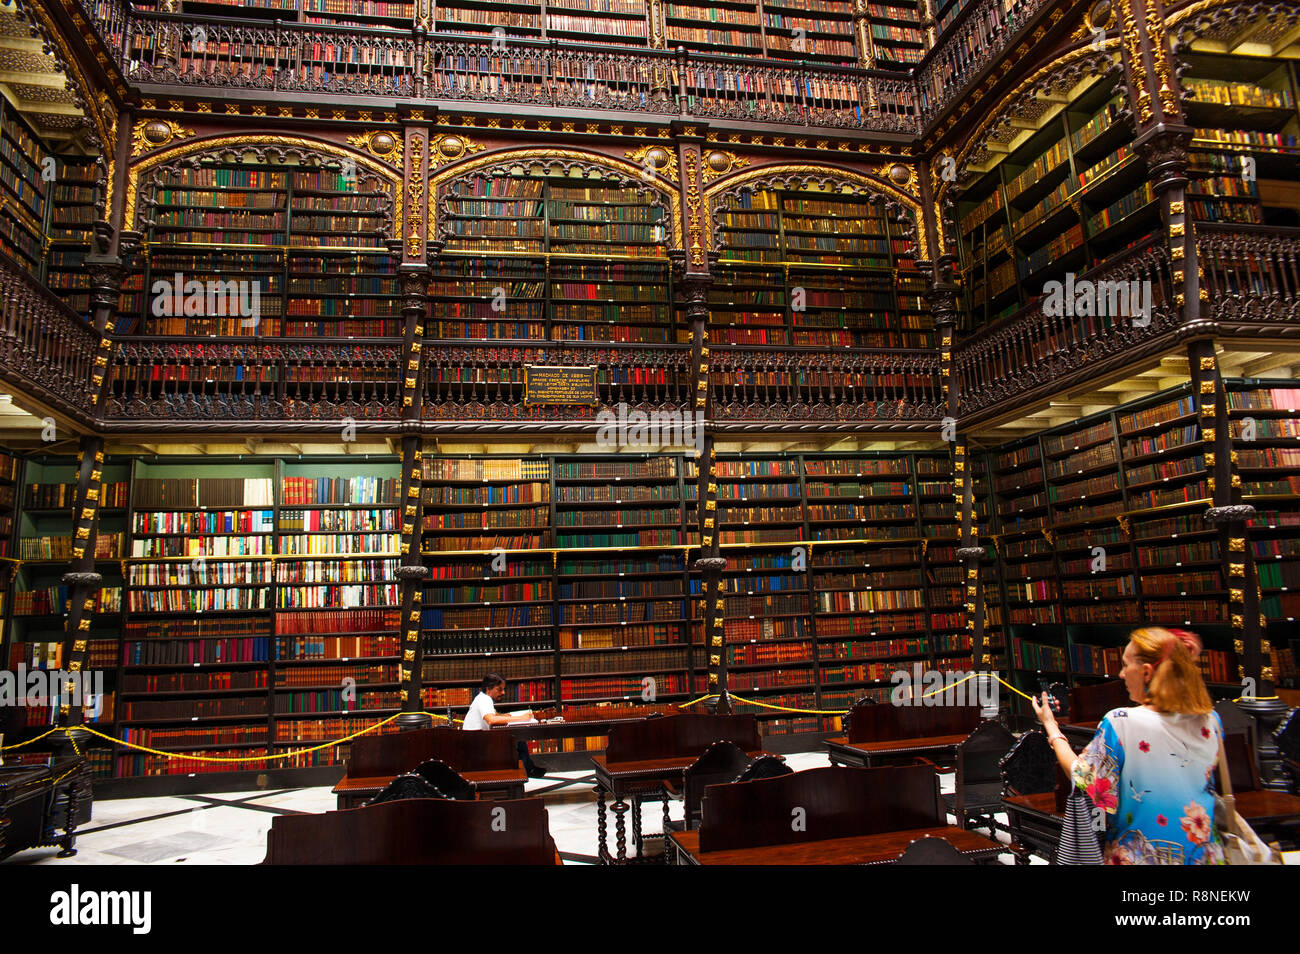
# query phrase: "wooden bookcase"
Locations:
[[1100, 531], [1066, 198]]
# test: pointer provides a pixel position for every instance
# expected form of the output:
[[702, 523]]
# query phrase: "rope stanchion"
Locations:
[[683, 705]]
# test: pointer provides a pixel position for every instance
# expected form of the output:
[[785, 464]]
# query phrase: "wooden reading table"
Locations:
[[587, 723], [489, 761], [416, 831], [880, 733], [645, 758], [846, 816], [37, 799]]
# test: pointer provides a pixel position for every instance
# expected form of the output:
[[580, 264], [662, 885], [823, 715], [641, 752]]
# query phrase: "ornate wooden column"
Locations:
[[107, 264], [414, 275], [83, 587], [1230, 516], [1163, 137]]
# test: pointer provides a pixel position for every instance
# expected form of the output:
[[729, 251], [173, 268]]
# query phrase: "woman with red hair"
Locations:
[[1150, 768]]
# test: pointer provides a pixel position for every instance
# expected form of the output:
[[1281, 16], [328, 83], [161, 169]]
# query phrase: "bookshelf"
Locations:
[[198, 625], [809, 31], [897, 39], [489, 602], [1243, 111], [1263, 423], [308, 245], [815, 270], [544, 258], [338, 531], [621, 607], [1066, 198], [45, 545], [725, 26], [596, 21], [70, 213], [22, 215], [1125, 543]]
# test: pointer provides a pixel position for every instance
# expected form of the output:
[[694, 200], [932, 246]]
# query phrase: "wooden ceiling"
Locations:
[[32, 82]]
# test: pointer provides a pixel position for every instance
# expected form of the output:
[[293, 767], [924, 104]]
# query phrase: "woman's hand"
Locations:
[[1044, 712]]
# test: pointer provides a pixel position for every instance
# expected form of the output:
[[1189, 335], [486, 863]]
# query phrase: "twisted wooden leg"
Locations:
[[620, 830], [636, 826], [602, 846], [663, 792]]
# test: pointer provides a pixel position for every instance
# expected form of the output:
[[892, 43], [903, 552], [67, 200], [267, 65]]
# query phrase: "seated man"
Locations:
[[483, 714]]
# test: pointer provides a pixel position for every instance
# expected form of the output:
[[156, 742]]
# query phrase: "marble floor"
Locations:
[[230, 828]]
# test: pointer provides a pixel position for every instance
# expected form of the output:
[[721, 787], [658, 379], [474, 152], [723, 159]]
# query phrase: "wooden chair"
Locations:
[[978, 793], [1030, 767], [1087, 705], [446, 780], [403, 787], [1287, 739], [418, 831], [767, 766], [721, 762], [932, 851], [1031, 773]]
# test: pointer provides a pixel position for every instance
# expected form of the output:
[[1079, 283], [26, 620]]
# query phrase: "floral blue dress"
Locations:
[[1153, 775]]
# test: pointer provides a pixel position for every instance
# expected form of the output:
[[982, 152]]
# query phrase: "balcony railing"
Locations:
[[45, 347], [226, 381], [221, 52], [1252, 272], [979, 35], [465, 384], [171, 49], [1032, 348], [844, 386]]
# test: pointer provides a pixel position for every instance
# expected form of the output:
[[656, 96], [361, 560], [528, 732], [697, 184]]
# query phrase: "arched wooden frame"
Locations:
[[899, 206], [274, 152], [592, 164], [97, 111]]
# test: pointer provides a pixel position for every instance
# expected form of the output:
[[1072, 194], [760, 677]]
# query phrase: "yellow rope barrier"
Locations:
[[764, 705], [221, 758], [451, 721], [19, 745], [683, 705]]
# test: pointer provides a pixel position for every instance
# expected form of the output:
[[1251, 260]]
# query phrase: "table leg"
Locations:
[[602, 845], [664, 794], [636, 826], [620, 829], [69, 821]]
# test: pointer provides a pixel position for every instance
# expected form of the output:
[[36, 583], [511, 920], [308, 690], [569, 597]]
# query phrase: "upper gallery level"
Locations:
[[888, 66]]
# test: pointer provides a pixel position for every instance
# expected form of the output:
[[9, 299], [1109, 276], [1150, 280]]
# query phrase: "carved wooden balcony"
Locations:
[[1005, 364], [46, 349], [1251, 278], [218, 383], [481, 388], [824, 389]]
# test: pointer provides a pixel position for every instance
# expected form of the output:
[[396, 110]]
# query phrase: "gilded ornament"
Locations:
[[156, 133], [382, 145]]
